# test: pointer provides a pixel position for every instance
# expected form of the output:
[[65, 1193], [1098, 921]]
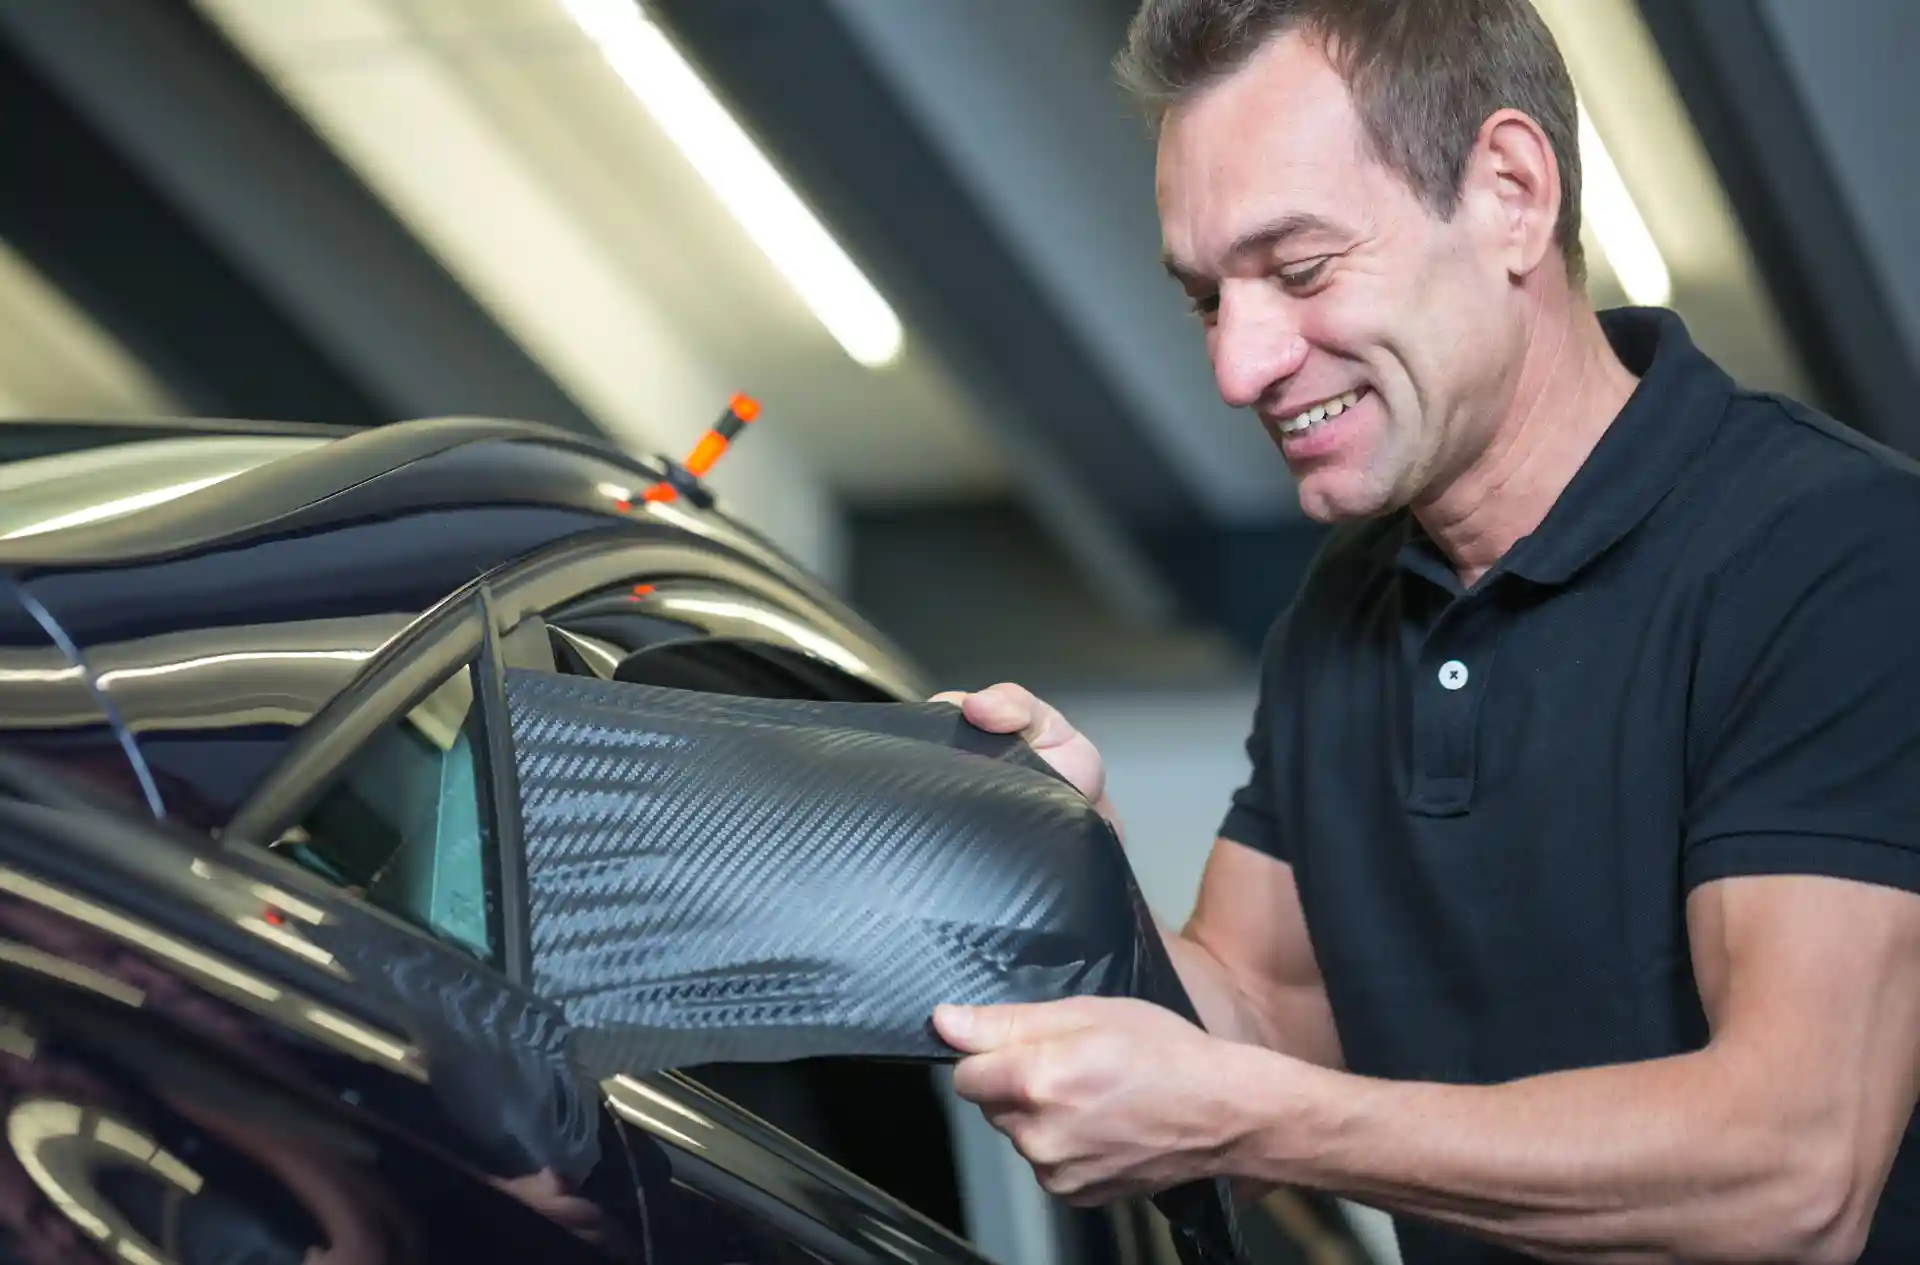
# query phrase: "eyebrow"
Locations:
[[1260, 237]]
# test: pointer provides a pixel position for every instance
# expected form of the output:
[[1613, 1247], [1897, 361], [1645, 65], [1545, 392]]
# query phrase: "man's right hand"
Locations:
[[1013, 709]]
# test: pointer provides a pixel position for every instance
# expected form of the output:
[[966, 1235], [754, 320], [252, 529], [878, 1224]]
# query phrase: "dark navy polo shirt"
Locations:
[[1495, 800]]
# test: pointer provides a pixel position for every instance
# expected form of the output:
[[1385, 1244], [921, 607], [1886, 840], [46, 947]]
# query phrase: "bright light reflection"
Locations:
[[116, 508], [107, 679], [30, 1126], [795, 631], [366, 1038], [23, 676], [135, 933], [286, 940], [653, 1095]]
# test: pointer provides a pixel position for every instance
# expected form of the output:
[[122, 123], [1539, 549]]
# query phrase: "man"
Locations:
[[1569, 909]]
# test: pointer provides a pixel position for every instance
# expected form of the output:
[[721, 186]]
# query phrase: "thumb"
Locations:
[[1004, 709], [978, 1029]]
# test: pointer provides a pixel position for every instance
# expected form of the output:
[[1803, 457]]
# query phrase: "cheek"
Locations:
[[1353, 344]]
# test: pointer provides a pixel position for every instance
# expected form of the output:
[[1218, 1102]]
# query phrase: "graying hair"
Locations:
[[1424, 76]]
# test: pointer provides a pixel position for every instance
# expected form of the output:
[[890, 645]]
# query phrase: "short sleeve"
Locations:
[[1251, 818], [1804, 738]]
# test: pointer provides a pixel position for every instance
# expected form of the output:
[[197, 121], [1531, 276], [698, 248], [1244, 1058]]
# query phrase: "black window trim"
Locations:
[[500, 799]]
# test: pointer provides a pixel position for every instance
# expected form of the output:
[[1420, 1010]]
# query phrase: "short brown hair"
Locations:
[[1424, 75]]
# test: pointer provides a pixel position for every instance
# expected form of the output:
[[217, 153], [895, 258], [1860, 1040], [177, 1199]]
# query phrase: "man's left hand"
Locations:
[[1107, 1098]]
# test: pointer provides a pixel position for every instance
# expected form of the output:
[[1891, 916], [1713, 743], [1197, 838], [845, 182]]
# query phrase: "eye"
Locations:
[[1301, 275], [1204, 304]]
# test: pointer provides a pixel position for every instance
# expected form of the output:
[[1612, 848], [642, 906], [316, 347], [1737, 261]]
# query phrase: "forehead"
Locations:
[[1277, 136]]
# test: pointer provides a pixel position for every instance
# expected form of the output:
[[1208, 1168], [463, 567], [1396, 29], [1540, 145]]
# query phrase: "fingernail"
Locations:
[[954, 1020]]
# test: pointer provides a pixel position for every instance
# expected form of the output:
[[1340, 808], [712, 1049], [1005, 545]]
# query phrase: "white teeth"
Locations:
[[1320, 413]]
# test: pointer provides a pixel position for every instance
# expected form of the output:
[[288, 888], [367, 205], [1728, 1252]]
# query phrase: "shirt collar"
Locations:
[[1672, 413]]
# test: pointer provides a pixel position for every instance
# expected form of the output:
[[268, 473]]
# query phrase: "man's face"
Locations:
[[1368, 334]]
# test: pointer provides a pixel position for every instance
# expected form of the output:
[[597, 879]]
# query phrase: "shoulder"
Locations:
[[1797, 454], [1786, 489]]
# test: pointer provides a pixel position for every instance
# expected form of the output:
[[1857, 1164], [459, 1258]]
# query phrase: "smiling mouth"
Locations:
[[1304, 421]]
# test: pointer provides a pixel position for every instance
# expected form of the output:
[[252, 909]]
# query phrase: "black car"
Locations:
[[264, 980]]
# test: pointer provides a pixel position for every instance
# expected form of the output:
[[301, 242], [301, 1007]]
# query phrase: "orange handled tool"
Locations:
[[741, 410]]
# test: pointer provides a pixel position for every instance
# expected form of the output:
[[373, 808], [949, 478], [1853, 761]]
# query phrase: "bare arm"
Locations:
[[1246, 961], [1772, 1143]]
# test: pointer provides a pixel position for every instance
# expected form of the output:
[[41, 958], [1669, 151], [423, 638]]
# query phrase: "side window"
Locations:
[[402, 825]]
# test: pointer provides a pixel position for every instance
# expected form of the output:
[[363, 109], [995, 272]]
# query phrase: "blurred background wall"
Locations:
[[921, 232]]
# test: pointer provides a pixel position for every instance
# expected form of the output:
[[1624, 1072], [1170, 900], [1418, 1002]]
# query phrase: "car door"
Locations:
[[876, 1162], [205, 1057], [393, 797], [896, 1124]]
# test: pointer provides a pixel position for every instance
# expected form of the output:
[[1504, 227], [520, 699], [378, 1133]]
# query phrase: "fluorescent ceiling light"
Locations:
[[798, 245], [1629, 247]]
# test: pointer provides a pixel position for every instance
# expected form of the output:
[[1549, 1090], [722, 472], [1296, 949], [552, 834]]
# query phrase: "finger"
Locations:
[[996, 1082], [1001, 709], [956, 697], [1047, 727], [977, 1029], [1008, 708], [1094, 1196]]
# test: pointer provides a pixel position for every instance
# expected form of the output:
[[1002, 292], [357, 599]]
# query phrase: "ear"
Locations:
[[1514, 180]]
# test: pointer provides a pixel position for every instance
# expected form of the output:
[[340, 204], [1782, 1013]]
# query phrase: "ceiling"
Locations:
[[1624, 84], [499, 134], [55, 361], [974, 156]]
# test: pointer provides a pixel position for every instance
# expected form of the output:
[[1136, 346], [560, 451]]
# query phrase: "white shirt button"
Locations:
[[1453, 674]]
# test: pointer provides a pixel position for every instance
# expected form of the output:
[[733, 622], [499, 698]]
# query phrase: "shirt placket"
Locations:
[[1450, 670]]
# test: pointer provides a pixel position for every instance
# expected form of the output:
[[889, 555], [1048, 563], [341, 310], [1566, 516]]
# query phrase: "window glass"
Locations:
[[403, 827]]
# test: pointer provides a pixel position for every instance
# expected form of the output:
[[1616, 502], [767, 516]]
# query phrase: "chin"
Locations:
[[1327, 497]]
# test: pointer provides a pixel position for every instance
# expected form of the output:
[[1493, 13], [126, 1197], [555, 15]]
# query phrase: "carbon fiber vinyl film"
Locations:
[[722, 879]]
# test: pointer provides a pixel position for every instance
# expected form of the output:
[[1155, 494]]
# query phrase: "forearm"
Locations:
[[1295, 1021], [1678, 1158]]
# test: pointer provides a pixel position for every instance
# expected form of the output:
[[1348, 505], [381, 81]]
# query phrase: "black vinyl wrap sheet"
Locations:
[[722, 879]]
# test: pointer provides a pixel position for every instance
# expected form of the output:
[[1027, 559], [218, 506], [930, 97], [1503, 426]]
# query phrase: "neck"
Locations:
[[1570, 388]]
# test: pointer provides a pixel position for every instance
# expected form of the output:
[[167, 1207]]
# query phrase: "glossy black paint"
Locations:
[[218, 625], [52, 710], [705, 1133], [356, 1099], [320, 1072]]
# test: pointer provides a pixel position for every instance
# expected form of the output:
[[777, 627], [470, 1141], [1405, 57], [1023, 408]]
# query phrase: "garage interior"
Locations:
[[920, 234]]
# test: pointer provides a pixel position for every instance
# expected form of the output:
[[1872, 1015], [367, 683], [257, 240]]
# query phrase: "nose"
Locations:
[[1256, 345]]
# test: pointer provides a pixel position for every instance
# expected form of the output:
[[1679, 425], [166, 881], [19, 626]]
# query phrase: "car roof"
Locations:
[[314, 550], [106, 491]]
